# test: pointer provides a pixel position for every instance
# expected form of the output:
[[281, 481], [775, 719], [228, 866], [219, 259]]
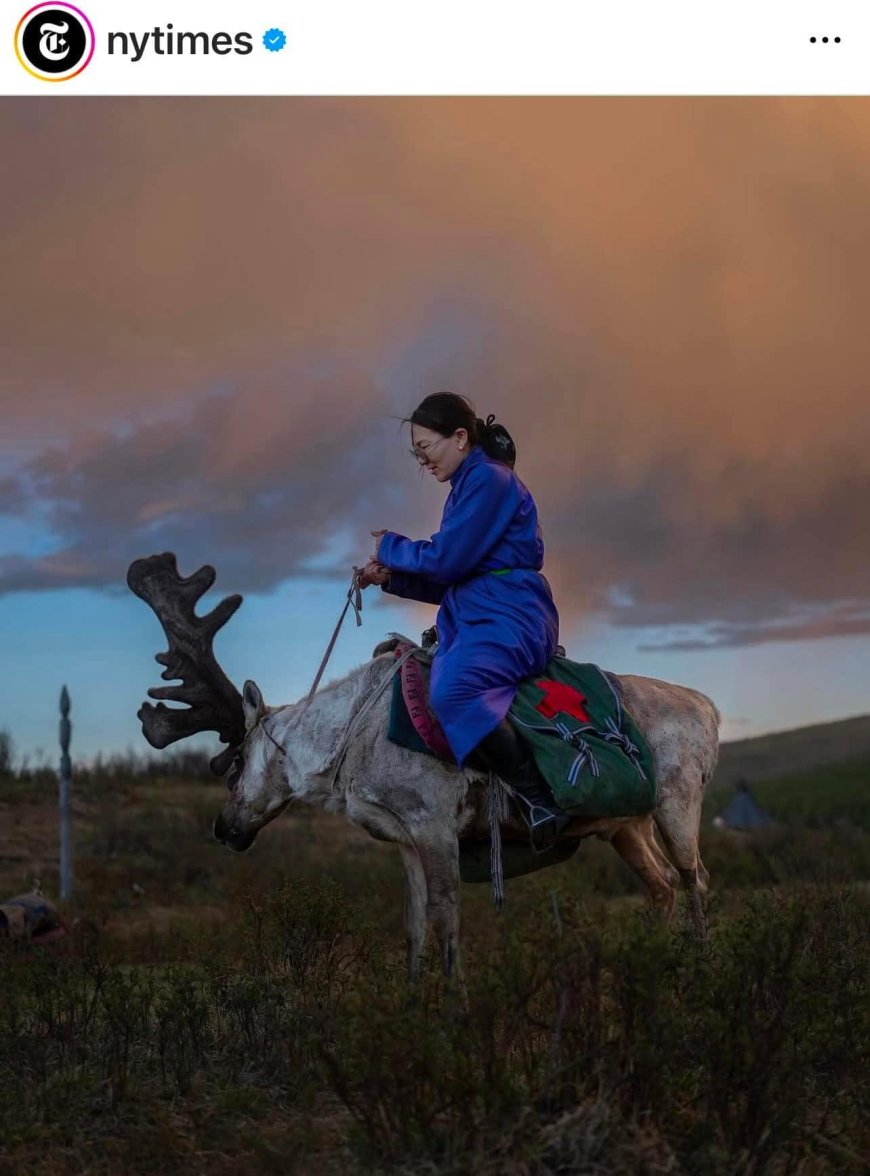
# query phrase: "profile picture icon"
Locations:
[[54, 42]]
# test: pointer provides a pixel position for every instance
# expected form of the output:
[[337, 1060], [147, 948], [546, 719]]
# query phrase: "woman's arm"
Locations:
[[400, 583], [411, 587], [489, 500]]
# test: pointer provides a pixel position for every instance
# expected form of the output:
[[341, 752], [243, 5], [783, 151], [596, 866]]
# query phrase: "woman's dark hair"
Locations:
[[445, 412]]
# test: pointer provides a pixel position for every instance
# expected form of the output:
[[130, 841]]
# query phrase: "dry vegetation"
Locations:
[[233, 1014]]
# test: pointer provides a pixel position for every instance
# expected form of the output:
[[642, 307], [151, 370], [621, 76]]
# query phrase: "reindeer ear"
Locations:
[[252, 703]]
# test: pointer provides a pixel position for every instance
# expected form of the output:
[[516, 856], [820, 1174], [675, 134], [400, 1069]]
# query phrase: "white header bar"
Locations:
[[453, 47]]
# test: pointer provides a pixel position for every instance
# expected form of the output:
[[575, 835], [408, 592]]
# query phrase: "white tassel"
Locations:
[[497, 798]]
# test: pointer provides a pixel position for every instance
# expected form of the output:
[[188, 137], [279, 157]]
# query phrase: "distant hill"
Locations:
[[786, 753]]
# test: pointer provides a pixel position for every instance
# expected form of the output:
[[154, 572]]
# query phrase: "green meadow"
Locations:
[[225, 1014]]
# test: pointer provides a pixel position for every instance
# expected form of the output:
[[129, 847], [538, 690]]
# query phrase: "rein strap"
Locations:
[[354, 597]]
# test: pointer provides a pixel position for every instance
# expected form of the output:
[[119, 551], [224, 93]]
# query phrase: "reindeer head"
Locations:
[[258, 785], [212, 701]]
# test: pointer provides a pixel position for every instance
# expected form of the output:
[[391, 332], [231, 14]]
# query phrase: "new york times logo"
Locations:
[[54, 42], [166, 42]]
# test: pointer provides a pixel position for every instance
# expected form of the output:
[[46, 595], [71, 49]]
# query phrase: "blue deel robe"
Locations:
[[497, 623]]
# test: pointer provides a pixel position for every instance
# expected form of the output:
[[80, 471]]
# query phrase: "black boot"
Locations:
[[503, 752]]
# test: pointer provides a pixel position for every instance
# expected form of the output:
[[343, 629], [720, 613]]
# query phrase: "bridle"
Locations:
[[354, 600], [272, 737], [239, 759]]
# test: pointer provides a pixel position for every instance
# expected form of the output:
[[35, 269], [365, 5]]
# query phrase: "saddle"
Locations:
[[573, 719], [412, 721]]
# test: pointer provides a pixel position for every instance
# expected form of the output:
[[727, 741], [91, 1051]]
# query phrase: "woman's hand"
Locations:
[[373, 573]]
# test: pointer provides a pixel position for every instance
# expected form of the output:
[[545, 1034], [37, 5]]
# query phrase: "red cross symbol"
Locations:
[[561, 698]]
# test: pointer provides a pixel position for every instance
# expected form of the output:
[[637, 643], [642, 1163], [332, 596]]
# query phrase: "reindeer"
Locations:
[[332, 750]]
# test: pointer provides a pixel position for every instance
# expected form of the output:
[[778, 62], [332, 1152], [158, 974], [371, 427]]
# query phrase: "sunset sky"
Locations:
[[213, 313]]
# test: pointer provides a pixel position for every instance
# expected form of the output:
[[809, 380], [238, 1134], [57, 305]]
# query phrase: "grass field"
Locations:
[[215, 1013]]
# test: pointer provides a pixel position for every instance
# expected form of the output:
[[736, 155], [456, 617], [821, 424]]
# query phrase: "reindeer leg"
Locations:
[[416, 897], [635, 844], [439, 856], [679, 826]]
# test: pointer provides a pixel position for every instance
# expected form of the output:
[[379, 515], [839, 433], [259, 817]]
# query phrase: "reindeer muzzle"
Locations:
[[231, 836]]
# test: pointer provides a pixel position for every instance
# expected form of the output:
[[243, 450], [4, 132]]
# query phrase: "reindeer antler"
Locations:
[[213, 703]]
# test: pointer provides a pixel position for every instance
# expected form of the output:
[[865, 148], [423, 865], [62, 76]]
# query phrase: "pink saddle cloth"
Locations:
[[415, 692]]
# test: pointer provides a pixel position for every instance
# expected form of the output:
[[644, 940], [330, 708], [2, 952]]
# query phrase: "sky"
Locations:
[[215, 312]]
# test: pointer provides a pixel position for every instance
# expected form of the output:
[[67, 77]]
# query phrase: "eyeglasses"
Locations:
[[421, 456]]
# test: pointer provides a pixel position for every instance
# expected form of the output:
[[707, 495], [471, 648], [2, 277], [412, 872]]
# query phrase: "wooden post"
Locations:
[[66, 871]]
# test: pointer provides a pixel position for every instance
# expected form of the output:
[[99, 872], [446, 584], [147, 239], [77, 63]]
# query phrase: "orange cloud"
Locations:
[[662, 298]]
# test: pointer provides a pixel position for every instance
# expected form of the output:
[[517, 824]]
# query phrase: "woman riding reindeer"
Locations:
[[497, 622]]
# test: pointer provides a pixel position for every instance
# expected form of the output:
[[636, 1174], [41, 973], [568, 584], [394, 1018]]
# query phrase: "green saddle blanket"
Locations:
[[585, 742], [583, 739]]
